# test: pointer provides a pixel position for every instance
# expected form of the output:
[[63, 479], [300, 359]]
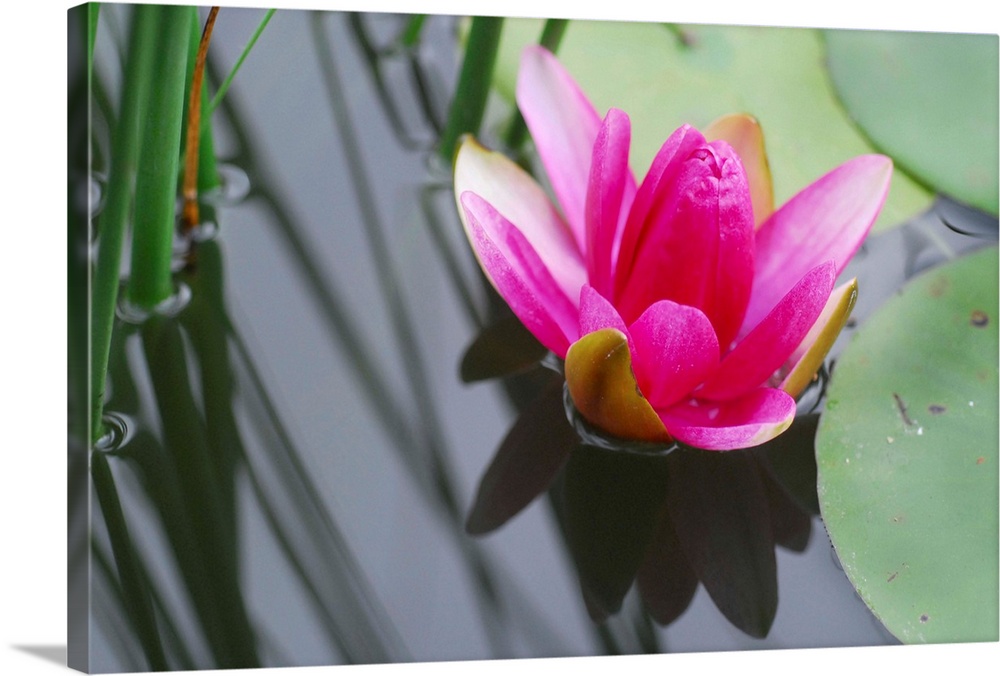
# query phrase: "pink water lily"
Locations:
[[685, 306]]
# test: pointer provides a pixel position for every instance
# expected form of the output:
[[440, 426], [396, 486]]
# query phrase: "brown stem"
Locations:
[[190, 213]]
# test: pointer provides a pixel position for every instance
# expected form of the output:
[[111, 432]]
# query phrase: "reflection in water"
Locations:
[[232, 528], [665, 518], [186, 457], [184, 379]]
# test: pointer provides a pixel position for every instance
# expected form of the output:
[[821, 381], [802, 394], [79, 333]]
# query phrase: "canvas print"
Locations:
[[421, 338]]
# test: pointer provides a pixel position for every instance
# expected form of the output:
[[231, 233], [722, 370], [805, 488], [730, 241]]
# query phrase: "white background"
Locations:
[[32, 334]]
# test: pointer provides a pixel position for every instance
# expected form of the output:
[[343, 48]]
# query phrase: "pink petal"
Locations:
[[827, 220], [698, 247], [744, 134], [597, 312], [564, 126], [608, 178], [520, 276], [672, 154], [802, 365], [518, 197], [674, 348], [769, 344], [725, 426]]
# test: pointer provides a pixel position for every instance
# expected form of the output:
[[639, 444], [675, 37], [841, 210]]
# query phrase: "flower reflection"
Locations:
[[661, 521]]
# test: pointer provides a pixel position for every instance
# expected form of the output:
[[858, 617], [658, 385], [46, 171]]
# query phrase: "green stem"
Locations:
[[93, 10], [159, 159], [469, 104], [412, 32], [552, 35], [208, 171], [111, 225], [224, 87]]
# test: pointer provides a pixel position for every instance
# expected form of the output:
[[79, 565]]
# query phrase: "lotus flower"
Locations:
[[685, 307]]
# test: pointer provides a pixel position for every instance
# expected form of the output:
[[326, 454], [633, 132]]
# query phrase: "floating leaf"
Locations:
[[927, 99], [907, 456], [666, 76]]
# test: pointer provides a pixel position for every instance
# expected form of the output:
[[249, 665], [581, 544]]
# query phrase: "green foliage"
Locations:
[[469, 103], [907, 456], [224, 86], [159, 161], [112, 221], [142, 185], [927, 99]]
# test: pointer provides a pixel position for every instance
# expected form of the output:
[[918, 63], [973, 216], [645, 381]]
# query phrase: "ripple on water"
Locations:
[[118, 429], [130, 313]]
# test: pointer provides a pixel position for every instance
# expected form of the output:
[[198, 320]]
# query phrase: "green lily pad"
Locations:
[[666, 76], [907, 456], [927, 99]]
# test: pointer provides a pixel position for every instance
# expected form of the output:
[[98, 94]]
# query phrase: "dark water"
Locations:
[[300, 451]]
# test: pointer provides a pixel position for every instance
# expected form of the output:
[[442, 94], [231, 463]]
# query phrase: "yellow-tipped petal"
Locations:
[[820, 338], [604, 391], [515, 195], [744, 134]]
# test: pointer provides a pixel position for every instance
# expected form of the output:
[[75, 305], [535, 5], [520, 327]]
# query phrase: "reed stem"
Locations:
[[112, 221], [411, 34], [224, 87], [469, 104], [159, 158]]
